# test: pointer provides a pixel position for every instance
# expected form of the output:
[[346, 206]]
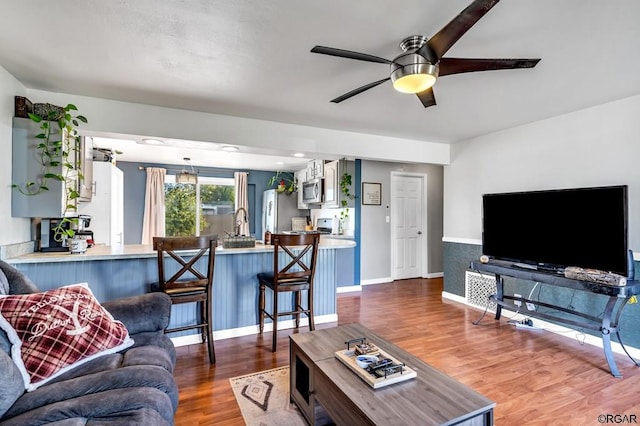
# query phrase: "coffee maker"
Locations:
[[82, 231], [48, 239]]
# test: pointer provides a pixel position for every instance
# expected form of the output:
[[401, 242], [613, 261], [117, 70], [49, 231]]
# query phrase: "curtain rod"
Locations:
[[141, 167]]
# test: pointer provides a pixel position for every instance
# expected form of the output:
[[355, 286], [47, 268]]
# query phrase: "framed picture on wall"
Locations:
[[371, 194]]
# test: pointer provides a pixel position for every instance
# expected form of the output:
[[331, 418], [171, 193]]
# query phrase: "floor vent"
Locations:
[[478, 288]]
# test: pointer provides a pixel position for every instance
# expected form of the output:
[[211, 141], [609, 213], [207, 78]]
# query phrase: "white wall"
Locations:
[[592, 147], [375, 250], [145, 120], [14, 230]]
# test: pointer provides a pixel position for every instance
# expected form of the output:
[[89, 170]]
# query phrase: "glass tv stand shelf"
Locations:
[[618, 296]]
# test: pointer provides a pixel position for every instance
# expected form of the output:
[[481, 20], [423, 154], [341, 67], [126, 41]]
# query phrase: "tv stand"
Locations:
[[608, 324]]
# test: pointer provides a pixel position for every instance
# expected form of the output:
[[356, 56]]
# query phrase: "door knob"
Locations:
[[419, 232]]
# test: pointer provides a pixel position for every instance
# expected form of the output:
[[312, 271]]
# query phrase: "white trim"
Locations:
[[456, 298], [193, 339], [552, 328], [348, 289], [434, 275], [473, 241], [376, 281]]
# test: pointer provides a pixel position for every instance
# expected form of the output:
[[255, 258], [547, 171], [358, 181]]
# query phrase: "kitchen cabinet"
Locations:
[[107, 205], [315, 169], [301, 177], [333, 173], [26, 166], [331, 188]]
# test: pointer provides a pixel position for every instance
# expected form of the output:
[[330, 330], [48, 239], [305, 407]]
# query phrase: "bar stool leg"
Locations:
[[261, 307], [312, 325], [274, 313], [210, 344], [297, 307]]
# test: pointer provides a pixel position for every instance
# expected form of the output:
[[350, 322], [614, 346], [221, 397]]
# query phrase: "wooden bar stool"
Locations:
[[295, 276], [195, 286]]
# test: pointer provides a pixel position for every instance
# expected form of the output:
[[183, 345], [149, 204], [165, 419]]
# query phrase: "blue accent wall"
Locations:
[[457, 257], [358, 231]]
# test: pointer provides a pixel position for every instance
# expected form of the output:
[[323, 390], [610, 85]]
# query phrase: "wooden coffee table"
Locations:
[[326, 390]]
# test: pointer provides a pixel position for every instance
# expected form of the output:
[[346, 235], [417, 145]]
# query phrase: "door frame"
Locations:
[[424, 260]]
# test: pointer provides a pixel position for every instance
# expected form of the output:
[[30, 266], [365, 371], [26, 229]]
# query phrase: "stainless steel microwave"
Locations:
[[312, 191]]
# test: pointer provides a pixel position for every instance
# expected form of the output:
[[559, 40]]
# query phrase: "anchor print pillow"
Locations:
[[54, 331]]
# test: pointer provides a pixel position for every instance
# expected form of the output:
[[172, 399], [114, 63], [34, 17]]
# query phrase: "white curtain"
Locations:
[[153, 224], [242, 201]]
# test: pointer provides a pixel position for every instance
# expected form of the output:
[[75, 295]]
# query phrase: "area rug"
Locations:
[[263, 398]]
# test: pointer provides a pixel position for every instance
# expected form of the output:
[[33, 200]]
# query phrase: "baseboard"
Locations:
[[455, 298], [376, 281], [193, 339], [553, 328], [435, 275], [348, 289]]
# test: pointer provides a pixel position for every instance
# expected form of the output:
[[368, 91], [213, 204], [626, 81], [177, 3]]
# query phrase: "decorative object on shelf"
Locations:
[[371, 194], [59, 155], [284, 182]]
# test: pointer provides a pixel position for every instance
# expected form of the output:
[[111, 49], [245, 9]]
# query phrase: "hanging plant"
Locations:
[[284, 182], [57, 148], [345, 189]]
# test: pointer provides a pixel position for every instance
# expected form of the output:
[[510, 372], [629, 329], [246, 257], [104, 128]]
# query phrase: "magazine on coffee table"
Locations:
[[374, 366]]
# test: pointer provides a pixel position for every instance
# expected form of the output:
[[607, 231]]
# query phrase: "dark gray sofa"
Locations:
[[132, 387]]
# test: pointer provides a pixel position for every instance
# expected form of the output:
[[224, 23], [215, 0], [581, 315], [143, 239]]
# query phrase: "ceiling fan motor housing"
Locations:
[[411, 66]]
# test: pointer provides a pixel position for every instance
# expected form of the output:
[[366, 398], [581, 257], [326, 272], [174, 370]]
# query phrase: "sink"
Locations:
[[239, 241]]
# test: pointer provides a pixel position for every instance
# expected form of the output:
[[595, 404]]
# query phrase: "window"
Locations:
[[201, 209]]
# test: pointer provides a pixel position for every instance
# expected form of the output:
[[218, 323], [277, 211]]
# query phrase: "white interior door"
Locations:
[[407, 220]]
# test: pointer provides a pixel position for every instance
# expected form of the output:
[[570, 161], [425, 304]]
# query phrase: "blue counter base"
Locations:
[[235, 287]]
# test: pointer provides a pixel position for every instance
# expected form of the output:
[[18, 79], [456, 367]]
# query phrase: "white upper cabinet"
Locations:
[[301, 177]]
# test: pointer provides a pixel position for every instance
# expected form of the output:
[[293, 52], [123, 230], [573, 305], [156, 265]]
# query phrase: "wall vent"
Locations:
[[478, 288]]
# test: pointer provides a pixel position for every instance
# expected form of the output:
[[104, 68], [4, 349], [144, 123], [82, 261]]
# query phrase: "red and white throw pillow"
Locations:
[[54, 331]]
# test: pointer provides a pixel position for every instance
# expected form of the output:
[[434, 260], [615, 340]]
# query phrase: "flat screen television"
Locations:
[[584, 227]]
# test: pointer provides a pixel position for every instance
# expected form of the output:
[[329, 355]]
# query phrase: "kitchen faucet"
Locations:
[[240, 222]]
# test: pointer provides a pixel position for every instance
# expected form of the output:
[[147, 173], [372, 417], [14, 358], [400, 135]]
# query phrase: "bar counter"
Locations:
[[128, 270]]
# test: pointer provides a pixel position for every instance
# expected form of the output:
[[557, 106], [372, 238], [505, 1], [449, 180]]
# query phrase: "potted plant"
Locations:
[[58, 145], [284, 182], [345, 189]]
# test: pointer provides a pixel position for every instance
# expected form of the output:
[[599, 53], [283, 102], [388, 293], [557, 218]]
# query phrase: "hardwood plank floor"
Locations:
[[535, 377]]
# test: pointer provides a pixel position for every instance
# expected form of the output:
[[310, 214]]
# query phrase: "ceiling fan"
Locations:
[[416, 70]]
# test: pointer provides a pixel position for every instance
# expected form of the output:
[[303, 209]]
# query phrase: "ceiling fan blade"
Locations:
[[461, 65], [341, 53], [442, 41], [427, 97], [358, 90]]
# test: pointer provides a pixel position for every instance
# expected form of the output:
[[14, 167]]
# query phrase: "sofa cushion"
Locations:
[[53, 331], [4, 283], [12, 385]]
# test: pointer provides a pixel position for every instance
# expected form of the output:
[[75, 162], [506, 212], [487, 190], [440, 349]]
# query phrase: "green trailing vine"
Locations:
[[284, 182], [345, 188], [57, 147]]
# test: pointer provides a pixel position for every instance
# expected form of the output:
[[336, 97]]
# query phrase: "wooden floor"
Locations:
[[535, 377]]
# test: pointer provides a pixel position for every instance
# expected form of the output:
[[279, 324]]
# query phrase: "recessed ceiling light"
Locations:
[[280, 163], [230, 148], [298, 154], [152, 142]]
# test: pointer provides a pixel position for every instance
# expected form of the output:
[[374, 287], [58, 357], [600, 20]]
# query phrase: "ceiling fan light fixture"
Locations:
[[412, 73]]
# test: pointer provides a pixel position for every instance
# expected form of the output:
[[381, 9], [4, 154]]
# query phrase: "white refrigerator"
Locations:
[[278, 209]]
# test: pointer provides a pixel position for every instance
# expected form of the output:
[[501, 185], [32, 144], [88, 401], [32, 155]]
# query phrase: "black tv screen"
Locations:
[[584, 227]]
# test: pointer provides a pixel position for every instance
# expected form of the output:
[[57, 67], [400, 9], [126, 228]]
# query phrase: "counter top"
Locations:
[[138, 251]]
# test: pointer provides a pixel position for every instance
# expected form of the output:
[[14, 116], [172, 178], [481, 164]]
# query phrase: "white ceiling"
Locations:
[[251, 58]]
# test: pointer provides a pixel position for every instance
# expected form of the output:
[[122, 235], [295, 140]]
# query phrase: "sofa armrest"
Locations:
[[148, 312]]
